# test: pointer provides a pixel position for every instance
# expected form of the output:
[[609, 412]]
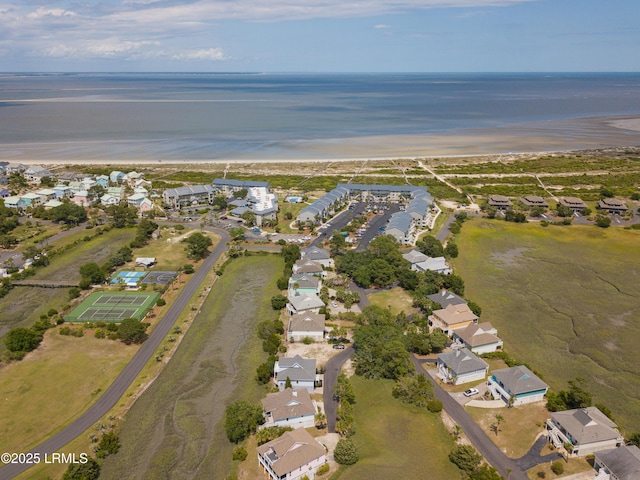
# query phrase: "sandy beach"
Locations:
[[530, 138]]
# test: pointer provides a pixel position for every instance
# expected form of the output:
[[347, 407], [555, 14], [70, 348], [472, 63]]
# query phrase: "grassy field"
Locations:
[[397, 299], [64, 375], [23, 306], [173, 429], [565, 300], [396, 441]]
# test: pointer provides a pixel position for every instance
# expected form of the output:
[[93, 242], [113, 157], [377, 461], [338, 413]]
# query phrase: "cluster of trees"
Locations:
[[575, 397], [267, 434], [345, 452], [414, 389], [198, 245], [122, 215], [242, 419], [22, 340], [8, 222], [144, 230], [270, 332], [379, 265], [467, 459], [67, 213]]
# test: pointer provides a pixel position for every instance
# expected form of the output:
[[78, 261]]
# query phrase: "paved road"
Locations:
[[533, 457], [330, 375], [444, 231], [130, 372], [474, 433]]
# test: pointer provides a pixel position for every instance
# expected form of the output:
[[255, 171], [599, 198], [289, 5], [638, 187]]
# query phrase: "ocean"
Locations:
[[203, 116]]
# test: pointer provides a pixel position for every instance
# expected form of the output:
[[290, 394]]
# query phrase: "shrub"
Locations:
[[239, 453], [434, 406], [465, 457], [345, 452], [323, 469], [557, 468], [22, 339], [307, 340], [161, 302]]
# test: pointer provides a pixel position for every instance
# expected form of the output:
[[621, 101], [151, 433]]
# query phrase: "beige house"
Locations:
[[290, 408], [452, 318], [292, 456], [306, 325], [479, 338]]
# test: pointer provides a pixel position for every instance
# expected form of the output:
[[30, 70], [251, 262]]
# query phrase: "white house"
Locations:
[[588, 430], [516, 385], [306, 325], [292, 456], [301, 372], [461, 366], [479, 338], [304, 302], [289, 408]]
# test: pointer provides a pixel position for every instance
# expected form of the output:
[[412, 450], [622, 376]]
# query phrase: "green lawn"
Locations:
[[565, 300], [396, 441], [397, 299]]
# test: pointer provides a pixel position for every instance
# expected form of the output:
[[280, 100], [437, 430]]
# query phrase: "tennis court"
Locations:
[[113, 307]]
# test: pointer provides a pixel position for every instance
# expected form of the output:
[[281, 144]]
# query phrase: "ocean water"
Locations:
[[228, 116]]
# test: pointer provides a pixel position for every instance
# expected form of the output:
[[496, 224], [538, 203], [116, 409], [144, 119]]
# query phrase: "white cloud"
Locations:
[[203, 54], [381, 25], [50, 12]]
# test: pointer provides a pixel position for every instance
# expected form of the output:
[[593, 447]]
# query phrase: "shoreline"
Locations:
[[518, 140]]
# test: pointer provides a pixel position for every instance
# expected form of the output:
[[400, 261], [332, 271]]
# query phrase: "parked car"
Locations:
[[334, 304], [471, 392], [339, 346]]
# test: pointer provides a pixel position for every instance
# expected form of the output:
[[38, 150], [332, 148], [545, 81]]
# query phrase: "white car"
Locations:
[[334, 304], [471, 392]]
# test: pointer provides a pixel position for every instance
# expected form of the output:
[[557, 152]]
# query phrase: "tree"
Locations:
[[132, 330], [242, 193], [220, 202], [109, 445], [564, 211], [68, 213], [337, 244], [197, 245], [278, 302], [485, 472], [343, 390], [431, 246], [465, 457], [320, 419], [83, 471], [451, 250], [249, 217], [122, 215], [603, 221], [345, 452], [242, 419], [575, 397], [416, 390], [557, 468], [93, 272], [8, 241], [495, 426], [287, 383], [21, 339], [237, 234]]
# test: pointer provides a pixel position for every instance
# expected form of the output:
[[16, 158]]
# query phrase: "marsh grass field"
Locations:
[[396, 441], [565, 300], [174, 429]]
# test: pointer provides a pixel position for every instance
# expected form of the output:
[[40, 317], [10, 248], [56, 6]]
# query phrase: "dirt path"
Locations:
[[173, 430]]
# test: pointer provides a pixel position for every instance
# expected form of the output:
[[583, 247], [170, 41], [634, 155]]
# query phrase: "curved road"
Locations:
[[130, 372], [492, 454]]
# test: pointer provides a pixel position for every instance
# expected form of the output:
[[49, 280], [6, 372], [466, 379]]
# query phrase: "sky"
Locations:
[[320, 35]]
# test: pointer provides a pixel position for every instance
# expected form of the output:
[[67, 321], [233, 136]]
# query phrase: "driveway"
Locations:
[[533, 457]]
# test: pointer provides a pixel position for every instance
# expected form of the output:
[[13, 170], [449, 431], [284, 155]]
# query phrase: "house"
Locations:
[[103, 181], [135, 200], [415, 256], [318, 255], [461, 366], [107, 200], [401, 227], [75, 186], [516, 385], [145, 262], [116, 176], [452, 317], [289, 408], [433, 264], [306, 325], [62, 191], [115, 191], [446, 298], [612, 205], [4, 193], [309, 267], [87, 183], [52, 204], [575, 204], [4, 180], [534, 201], [479, 338], [69, 176], [227, 186], [588, 430], [35, 172], [32, 199], [146, 205], [303, 284], [81, 198], [301, 372], [46, 194], [292, 456], [500, 202], [141, 190], [15, 202], [263, 204], [622, 463], [14, 168], [299, 303]]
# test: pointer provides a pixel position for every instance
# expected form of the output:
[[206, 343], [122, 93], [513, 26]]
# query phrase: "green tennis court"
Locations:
[[113, 307]]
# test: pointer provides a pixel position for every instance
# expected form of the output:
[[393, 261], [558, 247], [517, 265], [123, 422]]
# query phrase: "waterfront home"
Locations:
[[15, 202], [292, 456], [62, 191], [116, 176], [516, 385], [461, 366], [583, 431], [306, 325], [479, 338], [309, 267], [304, 303], [445, 298], [103, 181], [32, 199], [452, 318], [289, 408], [301, 372], [622, 463], [81, 198], [318, 255]]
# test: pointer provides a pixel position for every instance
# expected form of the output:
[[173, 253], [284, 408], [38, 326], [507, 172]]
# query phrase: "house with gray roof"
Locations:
[[304, 283], [62, 191], [318, 255], [622, 463], [415, 256], [304, 303], [587, 430], [188, 195], [228, 186], [574, 203], [461, 366], [534, 201], [433, 264], [446, 298], [292, 456], [289, 408], [500, 202], [516, 385], [308, 266], [300, 371], [303, 325], [612, 205], [402, 228]]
